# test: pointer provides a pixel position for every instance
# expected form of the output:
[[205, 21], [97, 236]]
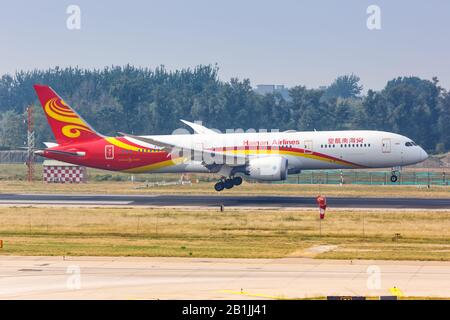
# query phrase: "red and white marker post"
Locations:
[[322, 202]]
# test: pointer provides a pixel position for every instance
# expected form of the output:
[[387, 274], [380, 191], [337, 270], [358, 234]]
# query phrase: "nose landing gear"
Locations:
[[394, 174], [394, 178], [229, 183]]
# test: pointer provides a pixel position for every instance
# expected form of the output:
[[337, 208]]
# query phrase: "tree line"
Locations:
[[151, 101]]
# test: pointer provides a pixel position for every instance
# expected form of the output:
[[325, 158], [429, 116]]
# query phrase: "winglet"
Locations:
[[198, 128]]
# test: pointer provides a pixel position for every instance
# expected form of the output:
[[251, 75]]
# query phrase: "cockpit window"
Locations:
[[410, 144]]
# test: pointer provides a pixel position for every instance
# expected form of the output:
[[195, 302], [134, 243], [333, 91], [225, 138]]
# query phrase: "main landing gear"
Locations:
[[229, 183]]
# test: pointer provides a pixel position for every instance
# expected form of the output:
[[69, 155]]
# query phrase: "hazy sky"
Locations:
[[284, 42]]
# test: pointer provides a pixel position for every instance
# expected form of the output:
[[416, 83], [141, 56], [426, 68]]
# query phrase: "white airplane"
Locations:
[[265, 156]]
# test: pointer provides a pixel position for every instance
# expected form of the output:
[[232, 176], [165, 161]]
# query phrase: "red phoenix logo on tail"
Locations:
[[66, 124], [57, 109]]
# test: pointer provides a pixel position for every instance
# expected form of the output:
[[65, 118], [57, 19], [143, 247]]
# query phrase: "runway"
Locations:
[[217, 200], [196, 278]]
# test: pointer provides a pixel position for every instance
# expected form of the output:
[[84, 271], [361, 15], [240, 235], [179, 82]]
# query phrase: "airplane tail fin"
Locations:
[[66, 124]]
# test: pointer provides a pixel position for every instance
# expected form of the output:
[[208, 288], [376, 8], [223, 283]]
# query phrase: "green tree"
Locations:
[[346, 86], [151, 101], [12, 130]]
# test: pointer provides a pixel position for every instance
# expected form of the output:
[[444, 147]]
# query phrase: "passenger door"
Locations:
[[386, 145], [308, 146]]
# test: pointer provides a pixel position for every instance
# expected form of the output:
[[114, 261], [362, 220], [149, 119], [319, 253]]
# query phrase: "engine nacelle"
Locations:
[[268, 168]]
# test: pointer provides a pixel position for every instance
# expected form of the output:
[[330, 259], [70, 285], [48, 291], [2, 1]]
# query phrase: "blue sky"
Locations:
[[284, 42]]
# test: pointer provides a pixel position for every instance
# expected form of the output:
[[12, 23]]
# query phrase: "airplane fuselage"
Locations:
[[260, 156], [303, 150]]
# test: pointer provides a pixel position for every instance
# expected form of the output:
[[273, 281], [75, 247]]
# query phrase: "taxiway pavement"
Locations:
[[204, 278]]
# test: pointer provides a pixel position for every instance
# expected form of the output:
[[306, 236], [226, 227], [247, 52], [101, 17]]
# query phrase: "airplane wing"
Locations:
[[226, 158], [165, 146], [198, 128]]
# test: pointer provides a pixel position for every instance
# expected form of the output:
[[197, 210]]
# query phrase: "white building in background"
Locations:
[[273, 88]]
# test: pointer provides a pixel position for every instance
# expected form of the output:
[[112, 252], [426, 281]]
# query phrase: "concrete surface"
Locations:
[[196, 278]]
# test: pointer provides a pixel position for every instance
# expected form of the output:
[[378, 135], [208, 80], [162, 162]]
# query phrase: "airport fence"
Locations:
[[435, 177]]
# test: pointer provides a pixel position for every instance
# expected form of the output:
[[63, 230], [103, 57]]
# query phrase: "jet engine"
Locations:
[[267, 168]]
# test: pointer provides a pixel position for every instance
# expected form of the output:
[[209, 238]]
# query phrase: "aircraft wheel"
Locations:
[[219, 186], [237, 181], [394, 178], [228, 184]]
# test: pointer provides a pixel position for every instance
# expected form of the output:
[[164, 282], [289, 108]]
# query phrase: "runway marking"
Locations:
[[248, 294], [124, 195], [94, 202], [396, 292]]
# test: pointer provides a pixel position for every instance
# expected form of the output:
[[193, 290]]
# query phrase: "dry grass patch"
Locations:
[[12, 174], [424, 235], [123, 187]]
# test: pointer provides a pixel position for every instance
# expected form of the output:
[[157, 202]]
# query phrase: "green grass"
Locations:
[[231, 234], [245, 189]]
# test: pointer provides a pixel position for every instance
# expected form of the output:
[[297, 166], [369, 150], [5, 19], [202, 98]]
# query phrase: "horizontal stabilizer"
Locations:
[[40, 152], [51, 144]]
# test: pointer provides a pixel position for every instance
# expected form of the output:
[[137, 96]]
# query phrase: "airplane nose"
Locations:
[[423, 155]]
